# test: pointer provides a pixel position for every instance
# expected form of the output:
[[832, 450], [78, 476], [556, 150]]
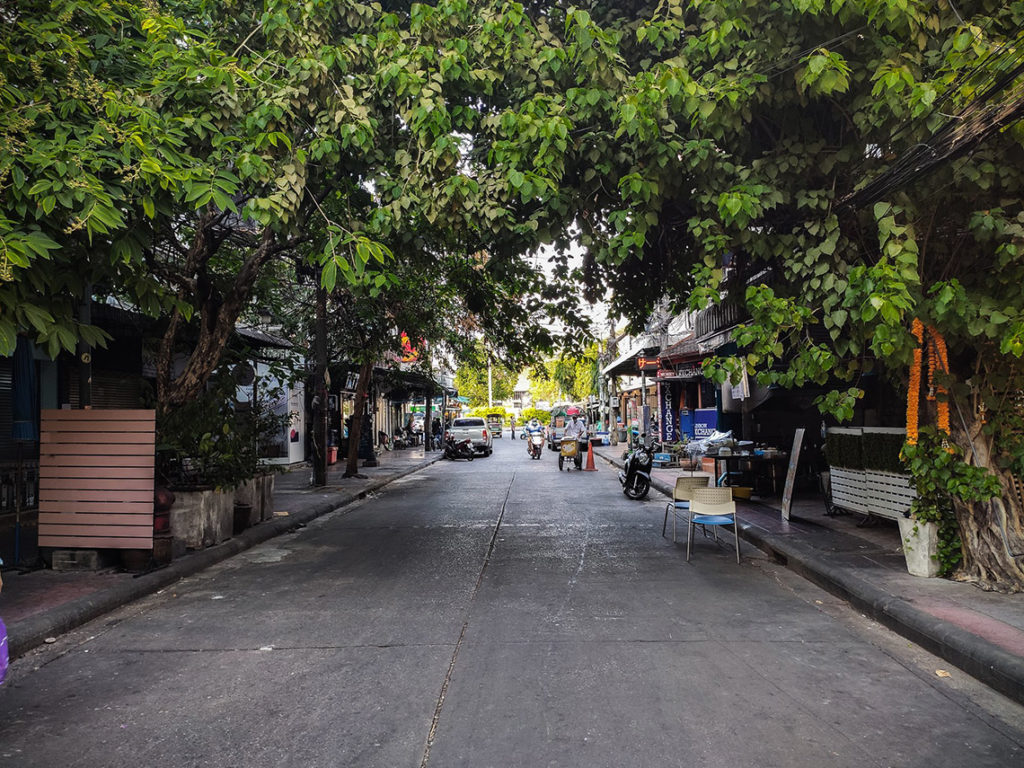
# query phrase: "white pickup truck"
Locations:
[[474, 428]]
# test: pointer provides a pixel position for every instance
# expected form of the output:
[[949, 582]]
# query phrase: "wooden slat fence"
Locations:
[[96, 476]]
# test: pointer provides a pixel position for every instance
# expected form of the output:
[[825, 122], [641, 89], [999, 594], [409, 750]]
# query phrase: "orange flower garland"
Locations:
[[938, 360], [914, 386], [943, 363]]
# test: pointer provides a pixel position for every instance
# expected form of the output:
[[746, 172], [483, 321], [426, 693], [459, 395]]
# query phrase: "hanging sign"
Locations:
[[669, 433], [741, 391], [682, 372], [647, 363]]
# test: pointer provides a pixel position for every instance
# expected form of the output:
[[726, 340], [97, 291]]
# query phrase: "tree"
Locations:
[[208, 139], [801, 161], [567, 376], [472, 375]]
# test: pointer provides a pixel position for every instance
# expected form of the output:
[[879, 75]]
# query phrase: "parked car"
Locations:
[[475, 429], [494, 423]]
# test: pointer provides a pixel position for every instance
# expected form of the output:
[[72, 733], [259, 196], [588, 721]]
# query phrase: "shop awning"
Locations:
[[683, 351], [401, 385], [625, 365]]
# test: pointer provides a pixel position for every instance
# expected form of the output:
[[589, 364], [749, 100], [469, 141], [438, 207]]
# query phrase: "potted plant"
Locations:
[[930, 533], [207, 450]]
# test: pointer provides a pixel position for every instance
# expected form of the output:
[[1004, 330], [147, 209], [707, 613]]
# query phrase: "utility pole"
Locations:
[[490, 387], [85, 353]]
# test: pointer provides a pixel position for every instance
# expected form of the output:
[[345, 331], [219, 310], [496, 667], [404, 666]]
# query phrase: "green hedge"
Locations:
[[534, 413], [882, 452], [844, 451], [879, 452]]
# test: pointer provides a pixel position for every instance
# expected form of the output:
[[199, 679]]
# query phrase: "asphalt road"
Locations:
[[496, 613]]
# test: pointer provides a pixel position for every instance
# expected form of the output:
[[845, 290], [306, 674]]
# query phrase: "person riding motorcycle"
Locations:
[[533, 427]]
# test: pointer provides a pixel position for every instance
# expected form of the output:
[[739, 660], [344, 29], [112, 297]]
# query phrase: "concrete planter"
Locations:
[[201, 517], [920, 546], [258, 493]]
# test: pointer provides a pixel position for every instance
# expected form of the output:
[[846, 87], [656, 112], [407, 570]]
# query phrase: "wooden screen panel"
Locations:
[[96, 477]]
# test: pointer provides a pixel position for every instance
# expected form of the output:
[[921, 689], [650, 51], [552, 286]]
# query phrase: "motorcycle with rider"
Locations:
[[534, 433]]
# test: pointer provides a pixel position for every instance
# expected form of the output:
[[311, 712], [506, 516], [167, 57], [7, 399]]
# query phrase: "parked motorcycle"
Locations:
[[635, 475], [463, 449], [535, 444]]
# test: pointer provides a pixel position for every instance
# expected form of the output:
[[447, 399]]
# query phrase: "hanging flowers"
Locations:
[[914, 386], [938, 362], [942, 365]]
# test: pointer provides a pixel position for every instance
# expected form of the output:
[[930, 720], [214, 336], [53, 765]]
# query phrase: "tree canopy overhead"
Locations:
[[837, 167]]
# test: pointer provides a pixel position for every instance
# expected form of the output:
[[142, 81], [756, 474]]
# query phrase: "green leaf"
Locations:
[[38, 317], [8, 338]]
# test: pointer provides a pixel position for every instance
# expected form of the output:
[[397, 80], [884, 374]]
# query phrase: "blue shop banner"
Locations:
[[705, 421], [669, 429]]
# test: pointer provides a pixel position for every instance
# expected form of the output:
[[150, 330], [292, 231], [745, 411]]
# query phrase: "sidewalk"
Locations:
[[40, 604], [980, 632]]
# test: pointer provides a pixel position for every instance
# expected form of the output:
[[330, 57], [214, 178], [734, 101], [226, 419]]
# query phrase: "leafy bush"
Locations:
[[844, 450], [536, 413], [214, 440], [880, 452], [940, 475], [483, 410]]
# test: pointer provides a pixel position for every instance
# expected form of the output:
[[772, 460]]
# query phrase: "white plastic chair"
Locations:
[[680, 504], [714, 507]]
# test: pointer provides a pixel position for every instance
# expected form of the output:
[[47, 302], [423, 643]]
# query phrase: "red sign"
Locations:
[[647, 363]]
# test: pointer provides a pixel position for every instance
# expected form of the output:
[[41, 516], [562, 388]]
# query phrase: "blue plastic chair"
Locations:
[[712, 507], [680, 504]]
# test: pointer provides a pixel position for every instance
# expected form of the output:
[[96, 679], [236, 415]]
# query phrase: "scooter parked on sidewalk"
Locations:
[[535, 445], [635, 475], [463, 449]]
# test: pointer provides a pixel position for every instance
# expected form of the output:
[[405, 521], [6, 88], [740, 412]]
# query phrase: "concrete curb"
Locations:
[[32, 632], [992, 665]]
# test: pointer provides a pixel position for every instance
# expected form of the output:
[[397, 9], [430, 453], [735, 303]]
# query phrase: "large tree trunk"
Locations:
[[355, 430], [217, 322], [991, 531]]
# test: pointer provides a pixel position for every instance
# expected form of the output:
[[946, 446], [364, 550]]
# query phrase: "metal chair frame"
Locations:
[[681, 500], [714, 507]]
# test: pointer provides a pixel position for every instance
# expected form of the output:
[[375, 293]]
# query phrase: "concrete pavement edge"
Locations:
[[31, 632], [983, 660]]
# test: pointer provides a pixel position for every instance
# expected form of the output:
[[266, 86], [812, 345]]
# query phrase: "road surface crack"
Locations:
[[465, 626]]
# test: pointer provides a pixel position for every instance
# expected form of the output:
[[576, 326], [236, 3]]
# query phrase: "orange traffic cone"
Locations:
[[590, 458]]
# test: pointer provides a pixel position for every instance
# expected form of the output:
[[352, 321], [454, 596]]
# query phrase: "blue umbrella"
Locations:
[[26, 393]]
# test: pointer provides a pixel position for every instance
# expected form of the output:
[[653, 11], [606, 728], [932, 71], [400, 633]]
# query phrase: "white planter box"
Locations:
[[920, 547], [889, 494], [849, 489], [886, 494]]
